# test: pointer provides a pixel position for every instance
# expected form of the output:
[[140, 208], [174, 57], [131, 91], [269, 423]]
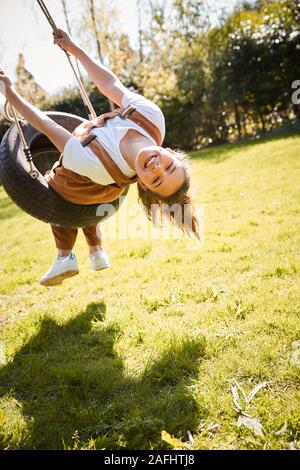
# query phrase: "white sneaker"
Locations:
[[99, 260], [61, 269]]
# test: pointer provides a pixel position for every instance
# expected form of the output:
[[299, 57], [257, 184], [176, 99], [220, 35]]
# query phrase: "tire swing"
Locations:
[[26, 186], [26, 155]]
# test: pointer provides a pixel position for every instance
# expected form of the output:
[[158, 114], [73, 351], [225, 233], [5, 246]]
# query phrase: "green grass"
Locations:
[[112, 359]]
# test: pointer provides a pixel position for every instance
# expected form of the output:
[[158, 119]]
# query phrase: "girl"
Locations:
[[103, 156]]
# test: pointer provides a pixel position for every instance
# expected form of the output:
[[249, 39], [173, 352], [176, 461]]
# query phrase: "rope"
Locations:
[[11, 115], [91, 112], [6, 112], [70, 33]]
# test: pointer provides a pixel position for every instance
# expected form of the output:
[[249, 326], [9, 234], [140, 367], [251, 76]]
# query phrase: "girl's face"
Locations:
[[159, 170]]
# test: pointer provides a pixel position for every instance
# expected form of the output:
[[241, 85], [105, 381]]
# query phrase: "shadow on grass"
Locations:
[[220, 153], [69, 381], [8, 209]]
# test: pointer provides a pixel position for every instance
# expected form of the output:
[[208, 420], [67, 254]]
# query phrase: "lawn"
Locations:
[[163, 349]]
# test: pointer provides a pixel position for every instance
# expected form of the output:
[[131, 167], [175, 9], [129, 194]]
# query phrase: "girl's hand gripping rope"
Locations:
[[63, 40], [5, 83]]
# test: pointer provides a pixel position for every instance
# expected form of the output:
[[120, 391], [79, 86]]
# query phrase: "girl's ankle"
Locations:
[[95, 249], [63, 253]]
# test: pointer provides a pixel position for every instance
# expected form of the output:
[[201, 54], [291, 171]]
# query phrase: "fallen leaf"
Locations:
[[201, 426], [295, 357], [213, 427], [236, 398], [2, 353], [255, 390], [253, 424], [295, 445], [241, 390], [281, 431], [190, 436]]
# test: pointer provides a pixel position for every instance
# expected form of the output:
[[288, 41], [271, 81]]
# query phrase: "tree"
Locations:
[[26, 84], [102, 35], [140, 32], [95, 29], [253, 62], [191, 19]]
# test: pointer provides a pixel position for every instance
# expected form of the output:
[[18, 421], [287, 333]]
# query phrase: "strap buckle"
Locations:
[[127, 112], [86, 140]]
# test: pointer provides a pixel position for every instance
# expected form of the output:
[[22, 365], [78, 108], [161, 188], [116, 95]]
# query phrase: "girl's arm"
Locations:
[[107, 82], [39, 120]]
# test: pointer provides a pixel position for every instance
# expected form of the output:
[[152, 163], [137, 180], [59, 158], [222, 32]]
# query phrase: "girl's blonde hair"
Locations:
[[178, 206]]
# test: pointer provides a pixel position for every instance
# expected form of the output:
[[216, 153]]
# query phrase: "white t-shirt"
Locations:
[[82, 160]]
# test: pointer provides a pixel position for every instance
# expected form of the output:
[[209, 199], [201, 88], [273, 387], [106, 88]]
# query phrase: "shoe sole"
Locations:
[[56, 280], [100, 269]]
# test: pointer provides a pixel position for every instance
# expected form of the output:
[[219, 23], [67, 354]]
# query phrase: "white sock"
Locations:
[[63, 257], [97, 252]]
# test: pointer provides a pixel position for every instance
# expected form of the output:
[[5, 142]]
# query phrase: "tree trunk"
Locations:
[[262, 120], [141, 52], [244, 123], [238, 119], [92, 10]]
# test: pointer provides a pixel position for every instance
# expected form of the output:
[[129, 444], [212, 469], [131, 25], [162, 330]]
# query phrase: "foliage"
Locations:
[[115, 50], [244, 69], [252, 61], [215, 81], [70, 101], [219, 83]]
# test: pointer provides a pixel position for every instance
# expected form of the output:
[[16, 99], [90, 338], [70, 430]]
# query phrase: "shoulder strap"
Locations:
[[112, 168], [147, 125], [131, 113]]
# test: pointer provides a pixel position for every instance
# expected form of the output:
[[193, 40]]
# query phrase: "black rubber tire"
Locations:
[[35, 196]]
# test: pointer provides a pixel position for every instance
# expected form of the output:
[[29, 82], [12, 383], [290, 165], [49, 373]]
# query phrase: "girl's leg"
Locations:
[[39, 120], [98, 257], [65, 238], [92, 238], [66, 264]]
